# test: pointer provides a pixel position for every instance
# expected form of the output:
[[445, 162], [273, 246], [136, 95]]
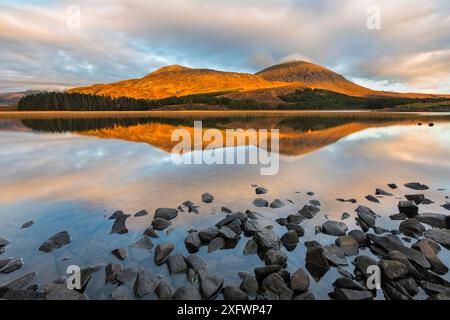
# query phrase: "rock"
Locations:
[[145, 283], [276, 204], [282, 221], [412, 228], [410, 285], [416, 198], [430, 249], [23, 295], [440, 296], [335, 255], [392, 243], [308, 295], [380, 230], [398, 217], [394, 292], [251, 227], [309, 211], [150, 232], [20, 283], [160, 224], [435, 220], [112, 270], [347, 200], [367, 216], [141, 213], [207, 197], [381, 192], [59, 291], [392, 269], [260, 203], [275, 257], [267, 239], [119, 225], [334, 228], [348, 244], [252, 214], [346, 283], [371, 198], [346, 294], [210, 285], [193, 242], [316, 262], [362, 224], [117, 214], [11, 266], [433, 288], [251, 247], [299, 281], [197, 263], [440, 236], [143, 243], [126, 275], [164, 291], [362, 263], [162, 252], [121, 293], [360, 237], [27, 224], [263, 272], [206, 235], [408, 208], [416, 186], [310, 193], [392, 186], [297, 228], [226, 233], [55, 242], [216, 244], [233, 293], [189, 292], [166, 213], [120, 253], [446, 206], [261, 190], [290, 238], [249, 283], [276, 285], [177, 264], [345, 216]]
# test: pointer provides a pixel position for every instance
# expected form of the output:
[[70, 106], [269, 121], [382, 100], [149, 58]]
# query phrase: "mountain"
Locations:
[[177, 80], [12, 98], [313, 76], [265, 86]]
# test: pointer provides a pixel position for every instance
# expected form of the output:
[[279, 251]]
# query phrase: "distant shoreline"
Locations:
[[182, 113]]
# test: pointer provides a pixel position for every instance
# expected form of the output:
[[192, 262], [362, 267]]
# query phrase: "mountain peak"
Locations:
[[170, 68]]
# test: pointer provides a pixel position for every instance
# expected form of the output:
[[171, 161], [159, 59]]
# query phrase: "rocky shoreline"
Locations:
[[408, 257]]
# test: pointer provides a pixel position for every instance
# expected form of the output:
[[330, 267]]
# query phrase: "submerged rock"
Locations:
[[416, 186], [371, 198], [412, 228], [58, 291], [392, 186], [143, 243], [145, 283], [251, 247], [381, 192], [150, 232], [440, 236], [309, 211], [55, 242], [189, 292], [334, 228], [166, 213], [300, 281], [162, 252], [210, 284], [345, 216], [177, 264], [207, 197], [160, 224], [27, 224], [430, 249], [216, 244], [260, 190], [11, 266], [120, 253], [276, 204], [260, 203], [141, 213], [408, 208], [233, 293], [435, 220]]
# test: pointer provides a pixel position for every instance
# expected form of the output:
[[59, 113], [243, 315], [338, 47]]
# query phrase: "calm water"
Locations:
[[71, 174]]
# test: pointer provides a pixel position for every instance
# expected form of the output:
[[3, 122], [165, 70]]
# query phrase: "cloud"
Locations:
[[122, 39]]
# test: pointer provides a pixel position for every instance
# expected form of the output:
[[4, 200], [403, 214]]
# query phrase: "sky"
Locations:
[[401, 45]]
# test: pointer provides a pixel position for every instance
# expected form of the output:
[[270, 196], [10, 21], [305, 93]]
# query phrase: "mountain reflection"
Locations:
[[299, 134]]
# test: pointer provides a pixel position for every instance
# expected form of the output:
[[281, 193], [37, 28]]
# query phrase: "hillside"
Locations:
[[179, 81]]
